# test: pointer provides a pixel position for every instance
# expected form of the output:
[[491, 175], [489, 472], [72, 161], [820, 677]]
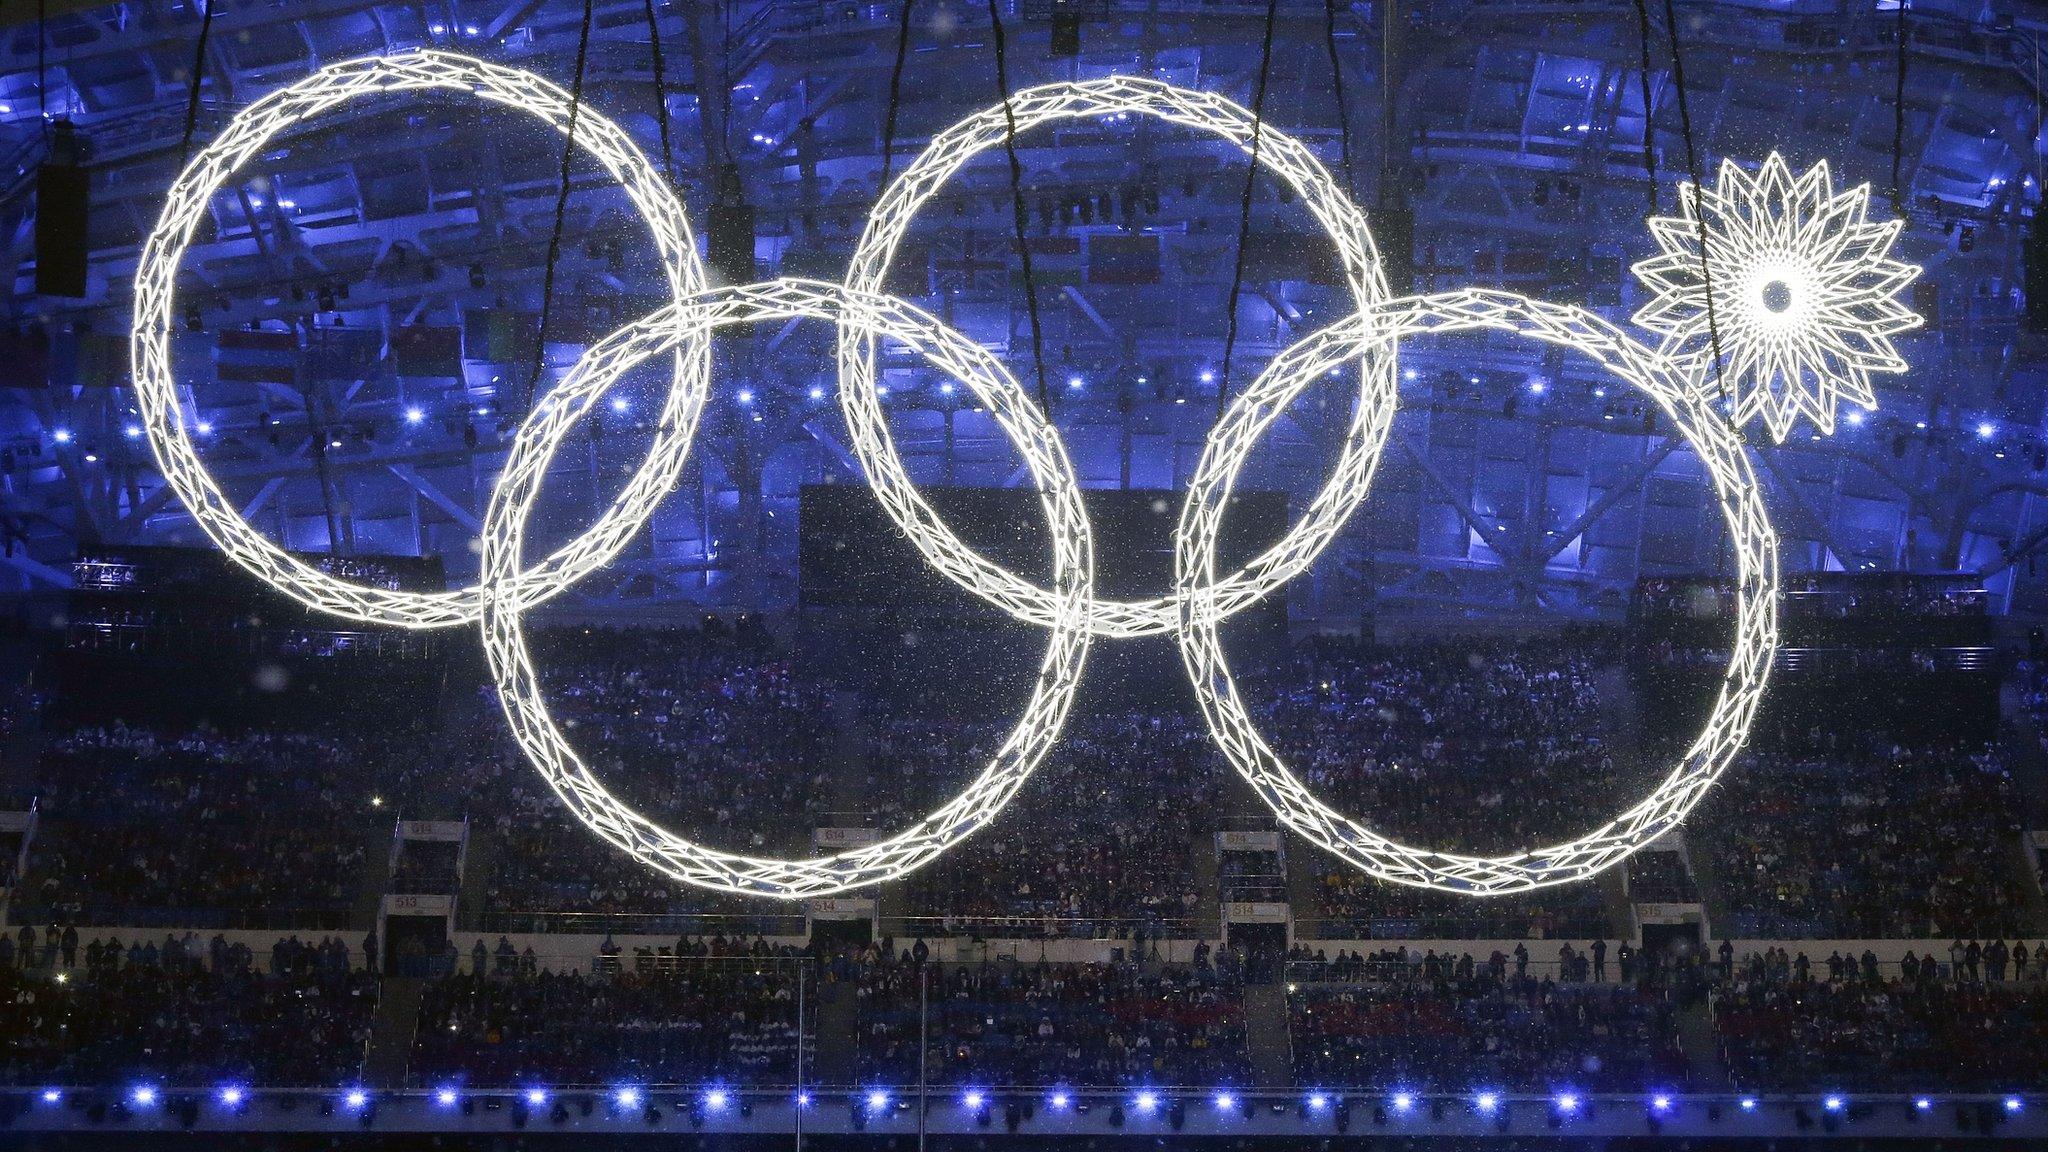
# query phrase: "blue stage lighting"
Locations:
[[715, 1099], [1661, 1103], [61, 435], [1486, 1101], [205, 427], [1986, 430], [143, 1097], [1148, 1101], [946, 389], [1225, 1101], [1923, 1104], [1748, 1103], [744, 396], [356, 1098], [803, 1099], [817, 393], [627, 1097], [414, 415], [2013, 1104], [621, 404], [1832, 1103], [1318, 1101], [972, 1099], [536, 1096], [133, 432], [877, 1100], [231, 1096], [446, 1098], [1567, 1102], [1074, 382], [1060, 1100], [1403, 1101], [52, 1095]]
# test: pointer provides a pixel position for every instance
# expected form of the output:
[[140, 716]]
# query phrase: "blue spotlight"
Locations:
[[61, 435], [877, 1100], [1404, 1101], [52, 1096], [1208, 377], [1074, 383], [1854, 418], [143, 1097], [1537, 387], [745, 396], [1832, 1104], [1486, 1102], [972, 1098], [133, 432], [1567, 1102], [1748, 1104], [803, 1099], [1660, 1103], [882, 390], [414, 415], [621, 404], [817, 393], [716, 1099], [446, 1098], [1060, 1100], [946, 389], [1225, 1101], [1923, 1104], [1148, 1101], [536, 1096], [1318, 1101], [232, 1096], [205, 427], [356, 1098], [2014, 1104], [627, 1097], [1986, 430]]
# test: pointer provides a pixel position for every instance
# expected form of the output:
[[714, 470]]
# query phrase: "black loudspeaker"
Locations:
[[2036, 281], [1066, 34], [1394, 228], [60, 221], [730, 243]]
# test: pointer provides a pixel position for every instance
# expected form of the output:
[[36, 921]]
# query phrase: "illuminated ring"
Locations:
[[519, 687], [248, 134], [1720, 451], [890, 221]]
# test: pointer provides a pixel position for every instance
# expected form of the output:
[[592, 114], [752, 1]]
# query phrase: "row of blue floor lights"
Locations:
[[1145, 1101]]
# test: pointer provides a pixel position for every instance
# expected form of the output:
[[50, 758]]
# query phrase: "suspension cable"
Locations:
[[1899, 115], [1692, 167], [1244, 218], [198, 70], [1337, 89], [668, 156], [547, 287], [995, 20], [1649, 119], [895, 94]]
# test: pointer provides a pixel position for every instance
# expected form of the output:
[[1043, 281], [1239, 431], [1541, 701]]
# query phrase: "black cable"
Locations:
[[1649, 120], [995, 20], [1337, 89], [547, 284], [668, 156], [895, 93], [42, 72], [198, 70], [1244, 219], [1692, 167], [1899, 116]]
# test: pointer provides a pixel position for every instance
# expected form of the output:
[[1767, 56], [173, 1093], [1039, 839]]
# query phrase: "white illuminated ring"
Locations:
[[155, 300], [1720, 452], [874, 317], [952, 149]]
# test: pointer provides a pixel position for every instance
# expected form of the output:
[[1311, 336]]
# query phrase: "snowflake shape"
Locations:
[[1805, 298]]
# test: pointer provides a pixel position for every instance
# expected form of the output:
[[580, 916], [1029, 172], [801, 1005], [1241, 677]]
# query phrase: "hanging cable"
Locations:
[[1244, 218], [995, 20], [668, 156], [198, 70], [42, 70], [1337, 89], [895, 93], [1692, 167], [547, 284], [1649, 118], [1899, 115]]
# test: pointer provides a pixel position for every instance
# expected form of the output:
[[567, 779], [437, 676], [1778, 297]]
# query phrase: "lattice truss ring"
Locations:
[[689, 322], [242, 140], [1720, 452]]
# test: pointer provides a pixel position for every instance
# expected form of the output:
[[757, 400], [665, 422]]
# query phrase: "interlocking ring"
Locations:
[[1720, 451], [872, 317], [1116, 95], [1199, 601], [246, 135]]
